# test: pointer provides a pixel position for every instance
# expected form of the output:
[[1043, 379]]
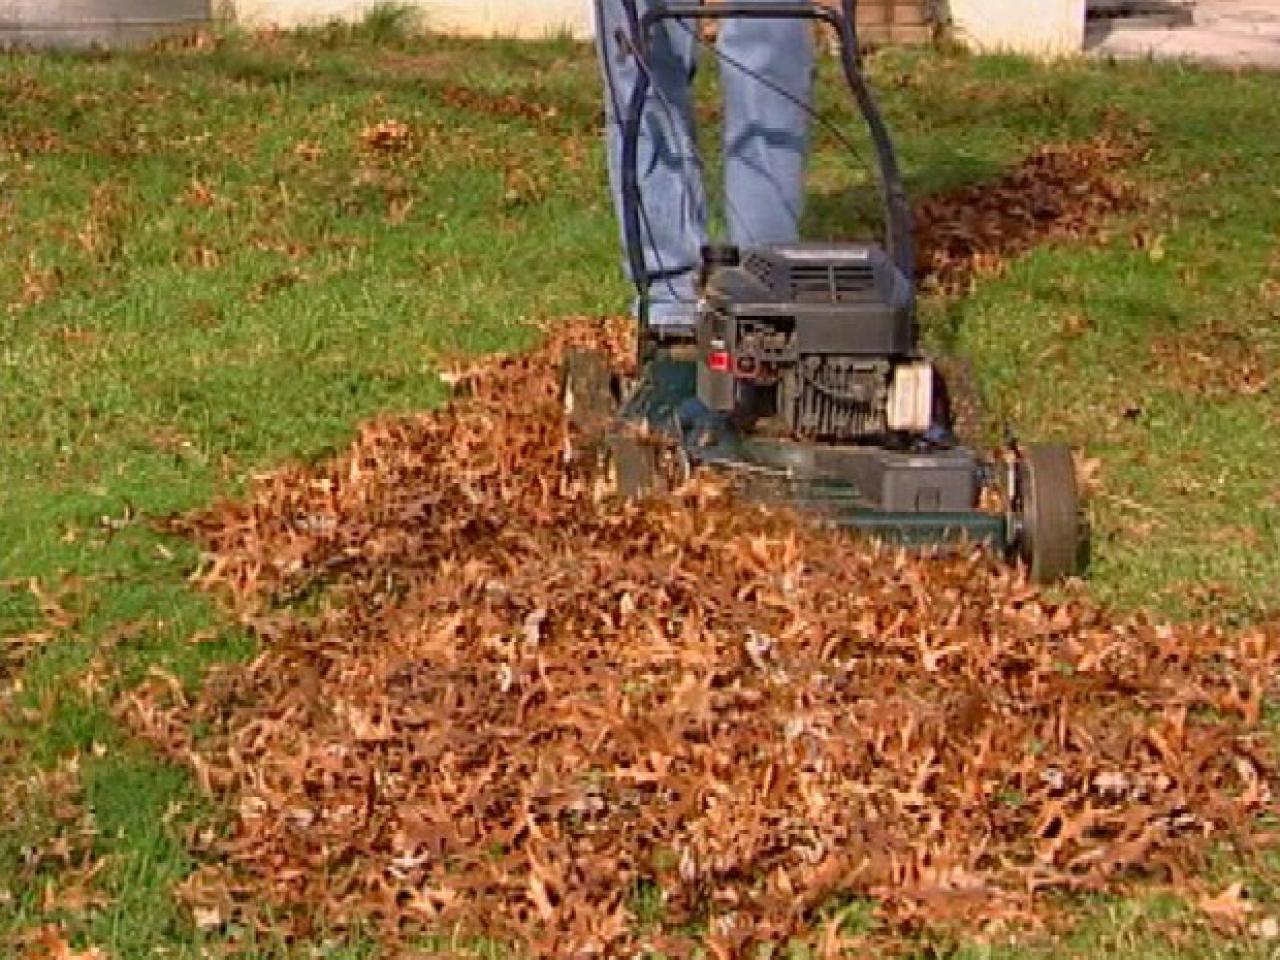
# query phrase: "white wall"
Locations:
[[523, 18], [1045, 28], [1038, 27]]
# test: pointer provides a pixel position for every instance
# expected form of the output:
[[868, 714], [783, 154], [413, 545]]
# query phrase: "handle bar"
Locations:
[[772, 10], [900, 239]]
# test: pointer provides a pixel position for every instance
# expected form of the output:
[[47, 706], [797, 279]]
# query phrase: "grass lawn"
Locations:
[[214, 258]]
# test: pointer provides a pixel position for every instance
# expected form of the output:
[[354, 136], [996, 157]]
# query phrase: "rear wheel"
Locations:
[[1053, 538], [587, 394], [634, 463]]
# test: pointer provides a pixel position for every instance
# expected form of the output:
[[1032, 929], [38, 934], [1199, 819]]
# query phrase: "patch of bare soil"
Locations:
[[524, 711], [1059, 192]]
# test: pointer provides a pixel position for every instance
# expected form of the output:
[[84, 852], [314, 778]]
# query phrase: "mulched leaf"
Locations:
[[511, 702]]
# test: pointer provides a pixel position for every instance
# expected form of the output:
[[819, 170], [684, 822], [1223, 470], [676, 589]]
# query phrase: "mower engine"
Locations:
[[812, 342]]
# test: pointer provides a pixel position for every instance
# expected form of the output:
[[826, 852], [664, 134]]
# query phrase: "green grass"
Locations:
[[204, 271]]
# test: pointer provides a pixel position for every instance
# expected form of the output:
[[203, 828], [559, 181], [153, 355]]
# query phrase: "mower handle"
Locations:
[[765, 10], [899, 239]]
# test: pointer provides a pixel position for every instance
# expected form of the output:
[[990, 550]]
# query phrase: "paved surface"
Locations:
[[1232, 33]]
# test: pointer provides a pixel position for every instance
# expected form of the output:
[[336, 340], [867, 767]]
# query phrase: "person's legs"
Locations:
[[766, 134], [672, 194]]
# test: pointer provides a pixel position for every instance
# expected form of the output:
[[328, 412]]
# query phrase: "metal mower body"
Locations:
[[803, 376]]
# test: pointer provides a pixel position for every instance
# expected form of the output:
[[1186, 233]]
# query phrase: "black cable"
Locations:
[[642, 283], [669, 112], [897, 209], [637, 220], [821, 119]]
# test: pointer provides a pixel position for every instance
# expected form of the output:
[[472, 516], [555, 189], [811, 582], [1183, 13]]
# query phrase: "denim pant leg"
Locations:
[[765, 145], [766, 135], [674, 210]]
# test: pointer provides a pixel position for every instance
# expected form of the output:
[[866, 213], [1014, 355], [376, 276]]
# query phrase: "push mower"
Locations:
[[804, 376]]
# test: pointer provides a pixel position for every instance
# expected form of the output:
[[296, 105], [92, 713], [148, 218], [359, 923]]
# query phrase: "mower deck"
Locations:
[[802, 375], [921, 497]]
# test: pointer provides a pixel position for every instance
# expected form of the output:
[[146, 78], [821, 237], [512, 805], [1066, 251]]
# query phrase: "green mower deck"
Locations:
[[814, 479]]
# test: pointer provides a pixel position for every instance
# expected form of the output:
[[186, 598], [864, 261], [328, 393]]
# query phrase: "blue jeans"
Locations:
[[766, 141]]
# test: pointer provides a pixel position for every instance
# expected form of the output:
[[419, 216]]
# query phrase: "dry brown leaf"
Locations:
[[521, 702], [1231, 906]]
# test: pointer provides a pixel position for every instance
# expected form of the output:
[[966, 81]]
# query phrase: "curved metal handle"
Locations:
[[899, 241], [764, 10]]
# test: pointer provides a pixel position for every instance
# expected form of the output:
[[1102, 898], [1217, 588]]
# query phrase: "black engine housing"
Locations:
[[804, 336]]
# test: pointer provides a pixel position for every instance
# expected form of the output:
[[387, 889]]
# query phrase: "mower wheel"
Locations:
[[587, 393], [634, 464], [586, 388], [1053, 531]]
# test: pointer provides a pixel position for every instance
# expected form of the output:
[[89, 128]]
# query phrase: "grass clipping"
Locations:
[[520, 711]]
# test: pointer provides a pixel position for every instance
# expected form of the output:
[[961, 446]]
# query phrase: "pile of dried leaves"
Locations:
[[1061, 191], [522, 711]]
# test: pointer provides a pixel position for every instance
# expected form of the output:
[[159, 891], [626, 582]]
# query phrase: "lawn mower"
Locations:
[[804, 377]]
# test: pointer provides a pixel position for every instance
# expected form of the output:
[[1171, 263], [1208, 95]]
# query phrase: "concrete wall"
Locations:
[[1045, 28], [1037, 27], [85, 23], [521, 18]]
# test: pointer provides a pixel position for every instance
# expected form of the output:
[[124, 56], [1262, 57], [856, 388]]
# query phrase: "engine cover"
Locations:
[[805, 337]]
